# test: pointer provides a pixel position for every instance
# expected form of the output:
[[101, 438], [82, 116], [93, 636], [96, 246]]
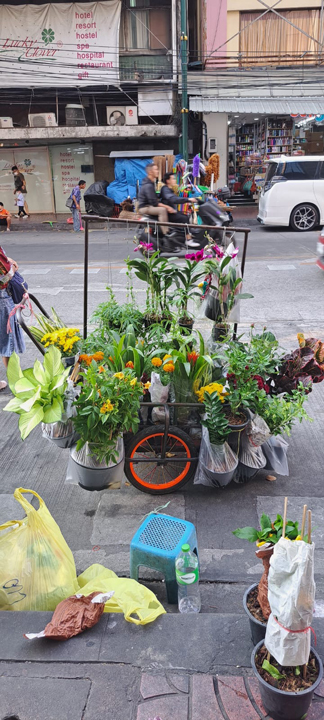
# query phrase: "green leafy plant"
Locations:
[[111, 315], [270, 532], [39, 391], [46, 325], [281, 412], [107, 406], [272, 670], [224, 284], [215, 420], [159, 275], [186, 279]]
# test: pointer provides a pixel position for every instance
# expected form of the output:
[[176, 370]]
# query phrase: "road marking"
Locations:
[[281, 267], [79, 271], [36, 271], [45, 291]]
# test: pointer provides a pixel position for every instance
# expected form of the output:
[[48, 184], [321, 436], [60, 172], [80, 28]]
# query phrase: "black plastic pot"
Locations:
[[219, 332], [186, 325], [258, 629], [283, 705]]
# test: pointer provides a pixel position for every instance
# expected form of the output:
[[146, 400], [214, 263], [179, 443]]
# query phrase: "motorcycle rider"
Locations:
[[171, 200], [148, 201]]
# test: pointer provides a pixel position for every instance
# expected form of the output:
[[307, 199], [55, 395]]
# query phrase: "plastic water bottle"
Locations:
[[187, 574]]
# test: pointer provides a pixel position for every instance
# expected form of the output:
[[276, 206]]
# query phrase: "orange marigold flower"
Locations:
[[193, 357], [85, 359], [101, 369], [157, 362], [97, 356], [169, 368], [111, 359], [130, 364]]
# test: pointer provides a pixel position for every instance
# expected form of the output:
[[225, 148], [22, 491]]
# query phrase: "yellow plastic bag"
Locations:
[[37, 568], [139, 605]]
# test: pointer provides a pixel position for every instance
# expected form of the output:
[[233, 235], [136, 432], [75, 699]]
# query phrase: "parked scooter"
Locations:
[[174, 243]]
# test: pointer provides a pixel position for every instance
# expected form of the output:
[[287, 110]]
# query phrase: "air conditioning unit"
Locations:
[[212, 145], [42, 120], [126, 115], [6, 122]]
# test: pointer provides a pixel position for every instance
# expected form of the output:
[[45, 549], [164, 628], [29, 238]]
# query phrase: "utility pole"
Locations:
[[184, 79]]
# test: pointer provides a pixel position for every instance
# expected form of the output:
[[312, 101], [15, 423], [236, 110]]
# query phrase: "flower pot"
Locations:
[[283, 705], [219, 332], [68, 361], [218, 462], [241, 424], [188, 324], [61, 434], [258, 629], [91, 474]]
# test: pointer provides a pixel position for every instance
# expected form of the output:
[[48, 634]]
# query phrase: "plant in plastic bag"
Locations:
[[107, 406], [215, 420], [186, 279], [39, 391], [223, 285], [281, 412]]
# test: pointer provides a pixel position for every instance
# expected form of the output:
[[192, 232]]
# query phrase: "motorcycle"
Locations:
[[174, 243]]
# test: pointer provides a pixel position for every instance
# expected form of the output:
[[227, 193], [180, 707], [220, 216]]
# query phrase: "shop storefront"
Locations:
[[50, 172]]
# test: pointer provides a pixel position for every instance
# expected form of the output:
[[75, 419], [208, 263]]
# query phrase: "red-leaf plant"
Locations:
[[304, 365]]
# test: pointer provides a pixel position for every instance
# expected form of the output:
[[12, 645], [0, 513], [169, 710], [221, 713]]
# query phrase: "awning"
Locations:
[[266, 106]]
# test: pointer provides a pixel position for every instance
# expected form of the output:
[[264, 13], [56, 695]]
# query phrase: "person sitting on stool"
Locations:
[[148, 202], [5, 217], [170, 199]]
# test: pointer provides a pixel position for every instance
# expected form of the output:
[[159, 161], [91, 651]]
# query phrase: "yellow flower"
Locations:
[[169, 368], [119, 375], [259, 544], [299, 537], [147, 385], [212, 387], [200, 285], [166, 357], [157, 362], [106, 407], [47, 344], [133, 382]]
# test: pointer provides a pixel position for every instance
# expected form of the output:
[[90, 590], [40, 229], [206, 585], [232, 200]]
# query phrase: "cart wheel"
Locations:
[[159, 477]]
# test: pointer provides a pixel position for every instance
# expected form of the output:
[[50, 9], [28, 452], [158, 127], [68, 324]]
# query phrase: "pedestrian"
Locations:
[[5, 217], [76, 207], [20, 185], [148, 202], [10, 342], [20, 202]]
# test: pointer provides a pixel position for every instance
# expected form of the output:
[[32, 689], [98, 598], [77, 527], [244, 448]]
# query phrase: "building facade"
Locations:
[[260, 83], [80, 82]]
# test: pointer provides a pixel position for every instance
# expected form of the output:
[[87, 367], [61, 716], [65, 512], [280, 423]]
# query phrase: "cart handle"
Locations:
[[25, 327]]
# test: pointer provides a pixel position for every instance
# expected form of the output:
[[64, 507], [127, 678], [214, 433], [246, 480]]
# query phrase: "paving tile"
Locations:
[[172, 707], [203, 699], [235, 699], [255, 690], [43, 699], [316, 711], [320, 689], [154, 685], [180, 682]]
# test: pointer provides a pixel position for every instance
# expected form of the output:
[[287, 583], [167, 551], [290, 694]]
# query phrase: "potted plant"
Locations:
[[186, 278], [222, 289], [302, 366], [216, 458], [159, 274], [38, 391], [108, 406], [287, 667], [255, 601], [192, 369]]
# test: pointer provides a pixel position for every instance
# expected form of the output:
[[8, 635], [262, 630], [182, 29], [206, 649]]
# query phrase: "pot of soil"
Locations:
[[61, 434], [239, 421], [220, 465], [253, 610], [279, 703], [219, 332], [186, 323], [152, 320], [93, 474]]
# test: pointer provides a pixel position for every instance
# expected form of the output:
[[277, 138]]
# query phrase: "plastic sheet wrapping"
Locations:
[[216, 464], [37, 568], [275, 450], [251, 457], [85, 458], [291, 594], [158, 393], [215, 306]]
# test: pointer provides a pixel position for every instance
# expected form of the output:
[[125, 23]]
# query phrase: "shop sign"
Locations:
[[60, 44], [69, 165]]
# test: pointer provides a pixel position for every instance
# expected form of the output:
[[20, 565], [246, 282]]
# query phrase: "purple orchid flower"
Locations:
[[219, 253], [144, 246], [235, 252], [190, 256]]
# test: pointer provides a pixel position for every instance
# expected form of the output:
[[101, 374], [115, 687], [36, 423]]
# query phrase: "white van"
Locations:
[[293, 192]]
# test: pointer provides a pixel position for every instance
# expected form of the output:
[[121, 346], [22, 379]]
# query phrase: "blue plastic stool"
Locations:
[[156, 545]]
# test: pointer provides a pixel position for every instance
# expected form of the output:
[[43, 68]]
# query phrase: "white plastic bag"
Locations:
[[275, 450], [291, 596], [216, 464], [158, 393], [251, 457]]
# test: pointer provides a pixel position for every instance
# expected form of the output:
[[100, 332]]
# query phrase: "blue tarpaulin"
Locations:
[[127, 172]]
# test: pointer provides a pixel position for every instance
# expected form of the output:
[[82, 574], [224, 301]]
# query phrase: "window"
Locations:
[[145, 29], [272, 40], [296, 170]]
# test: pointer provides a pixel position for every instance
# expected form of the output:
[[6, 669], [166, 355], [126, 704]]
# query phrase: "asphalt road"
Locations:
[[55, 247]]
